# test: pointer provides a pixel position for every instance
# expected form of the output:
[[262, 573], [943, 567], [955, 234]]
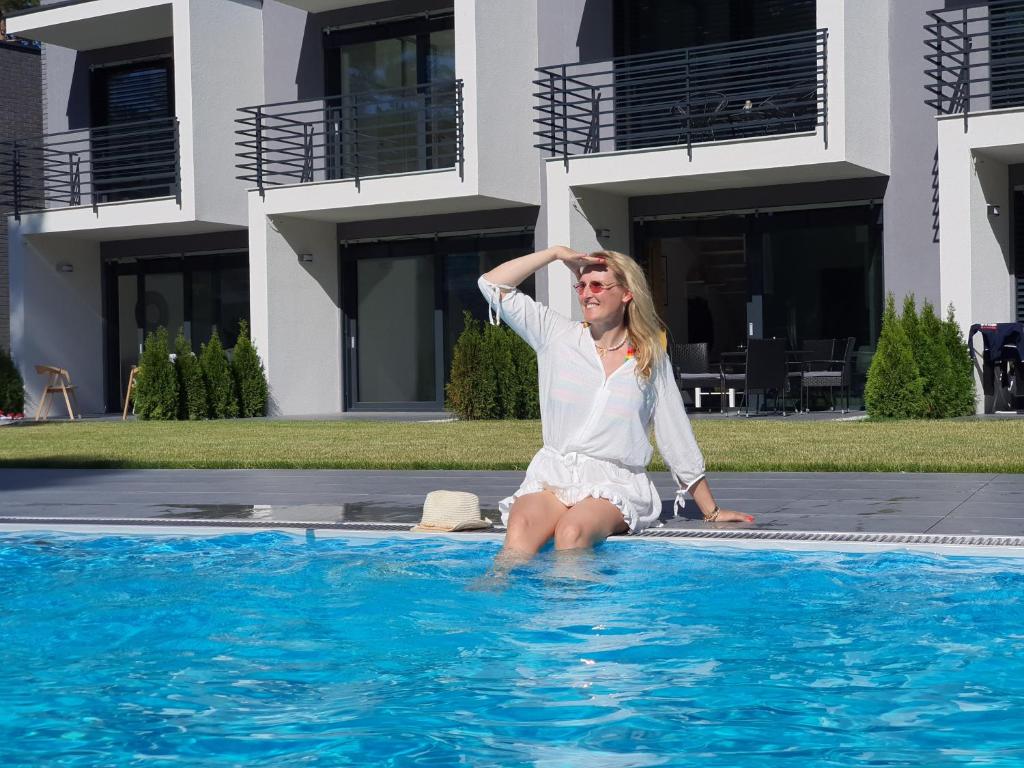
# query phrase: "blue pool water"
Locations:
[[272, 650]]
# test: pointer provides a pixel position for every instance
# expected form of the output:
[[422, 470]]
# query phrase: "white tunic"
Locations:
[[596, 428]]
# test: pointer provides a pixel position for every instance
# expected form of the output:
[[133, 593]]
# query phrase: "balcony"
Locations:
[[378, 133], [127, 161], [762, 87], [94, 24], [977, 58]]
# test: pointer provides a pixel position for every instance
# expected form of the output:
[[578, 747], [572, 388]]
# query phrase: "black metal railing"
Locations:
[[353, 136], [759, 87], [976, 57], [128, 161]]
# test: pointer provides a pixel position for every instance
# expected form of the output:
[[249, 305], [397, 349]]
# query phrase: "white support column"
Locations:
[[295, 310], [57, 314], [587, 220]]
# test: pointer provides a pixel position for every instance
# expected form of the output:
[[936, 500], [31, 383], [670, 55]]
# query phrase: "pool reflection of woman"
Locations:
[[602, 381]]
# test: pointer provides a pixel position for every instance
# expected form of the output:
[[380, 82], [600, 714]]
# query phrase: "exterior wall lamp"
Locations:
[[65, 267], [306, 258], [993, 209]]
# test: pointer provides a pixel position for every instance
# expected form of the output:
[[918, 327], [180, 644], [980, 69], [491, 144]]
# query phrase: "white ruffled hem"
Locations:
[[572, 496]]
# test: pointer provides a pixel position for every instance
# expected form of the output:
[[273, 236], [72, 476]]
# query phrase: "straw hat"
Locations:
[[451, 511]]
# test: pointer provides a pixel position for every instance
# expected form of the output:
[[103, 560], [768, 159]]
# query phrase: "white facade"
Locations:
[[207, 75], [226, 56]]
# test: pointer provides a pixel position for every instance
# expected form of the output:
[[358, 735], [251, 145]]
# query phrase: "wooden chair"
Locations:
[[58, 380], [129, 391]]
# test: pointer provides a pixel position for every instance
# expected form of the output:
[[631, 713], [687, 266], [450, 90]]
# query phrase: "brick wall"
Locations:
[[21, 114]]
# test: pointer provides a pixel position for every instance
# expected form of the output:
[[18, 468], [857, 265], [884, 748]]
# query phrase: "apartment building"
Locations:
[[20, 114], [339, 172]]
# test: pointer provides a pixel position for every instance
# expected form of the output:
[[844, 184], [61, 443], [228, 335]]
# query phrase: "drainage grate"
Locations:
[[859, 538]]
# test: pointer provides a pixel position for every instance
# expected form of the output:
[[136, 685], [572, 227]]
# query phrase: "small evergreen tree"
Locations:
[[156, 385], [12, 388], [220, 386], [963, 397], [911, 327], [894, 388], [250, 378], [192, 405], [498, 346], [935, 365], [527, 390], [471, 389]]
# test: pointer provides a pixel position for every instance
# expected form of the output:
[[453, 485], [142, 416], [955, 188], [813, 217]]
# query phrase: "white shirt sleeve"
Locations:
[[672, 430], [530, 319]]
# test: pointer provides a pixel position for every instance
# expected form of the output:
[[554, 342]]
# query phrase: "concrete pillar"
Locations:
[[296, 312], [585, 219], [57, 315]]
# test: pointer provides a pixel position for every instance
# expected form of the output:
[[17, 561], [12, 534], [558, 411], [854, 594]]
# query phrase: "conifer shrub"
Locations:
[[192, 405], [527, 393], [498, 358], [222, 401], [156, 384], [963, 396], [493, 374], [12, 388], [894, 388], [934, 364], [471, 388], [250, 378]]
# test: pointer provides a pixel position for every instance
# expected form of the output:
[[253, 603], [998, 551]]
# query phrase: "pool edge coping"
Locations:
[[976, 545]]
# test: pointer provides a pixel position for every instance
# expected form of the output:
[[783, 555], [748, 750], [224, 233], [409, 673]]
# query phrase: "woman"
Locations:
[[601, 383]]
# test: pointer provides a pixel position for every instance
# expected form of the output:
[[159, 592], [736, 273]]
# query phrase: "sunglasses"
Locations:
[[595, 287]]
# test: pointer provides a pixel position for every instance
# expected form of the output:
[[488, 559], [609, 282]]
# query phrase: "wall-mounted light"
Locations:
[[65, 267], [305, 258], [993, 209], [603, 233]]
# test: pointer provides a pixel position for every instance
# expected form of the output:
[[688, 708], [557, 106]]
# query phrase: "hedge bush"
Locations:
[[221, 398], [962, 399], [156, 385], [250, 378], [12, 388], [493, 374], [935, 366], [527, 394], [894, 388], [192, 404]]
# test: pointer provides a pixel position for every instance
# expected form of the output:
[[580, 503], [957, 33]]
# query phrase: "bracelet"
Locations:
[[712, 516]]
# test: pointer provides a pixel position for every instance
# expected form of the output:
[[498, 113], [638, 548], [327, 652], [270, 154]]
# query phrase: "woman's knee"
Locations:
[[570, 534]]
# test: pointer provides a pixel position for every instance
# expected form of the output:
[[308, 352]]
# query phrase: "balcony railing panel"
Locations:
[[759, 87], [353, 136], [976, 58], [127, 161]]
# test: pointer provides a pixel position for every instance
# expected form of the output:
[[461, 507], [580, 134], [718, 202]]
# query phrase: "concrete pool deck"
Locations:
[[860, 503]]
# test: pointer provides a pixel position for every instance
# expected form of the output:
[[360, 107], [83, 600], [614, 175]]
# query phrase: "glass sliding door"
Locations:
[[133, 150], [193, 293], [796, 275], [404, 305], [396, 336], [391, 105]]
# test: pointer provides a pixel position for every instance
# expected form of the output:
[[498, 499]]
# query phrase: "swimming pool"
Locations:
[[272, 649]]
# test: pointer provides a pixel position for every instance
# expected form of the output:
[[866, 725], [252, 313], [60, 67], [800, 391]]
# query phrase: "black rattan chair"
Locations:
[[766, 370], [694, 372], [830, 373]]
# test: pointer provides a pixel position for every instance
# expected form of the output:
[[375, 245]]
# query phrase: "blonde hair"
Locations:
[[646, 330]]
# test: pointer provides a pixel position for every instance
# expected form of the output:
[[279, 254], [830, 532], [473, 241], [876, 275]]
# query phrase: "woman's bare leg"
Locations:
[[587, 523], [531, 522]]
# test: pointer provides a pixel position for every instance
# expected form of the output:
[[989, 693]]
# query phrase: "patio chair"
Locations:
[[694, 372], [766, 371], [830, 374], [58, 380]]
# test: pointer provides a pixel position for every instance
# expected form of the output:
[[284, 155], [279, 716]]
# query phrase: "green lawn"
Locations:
[[728, 445]]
